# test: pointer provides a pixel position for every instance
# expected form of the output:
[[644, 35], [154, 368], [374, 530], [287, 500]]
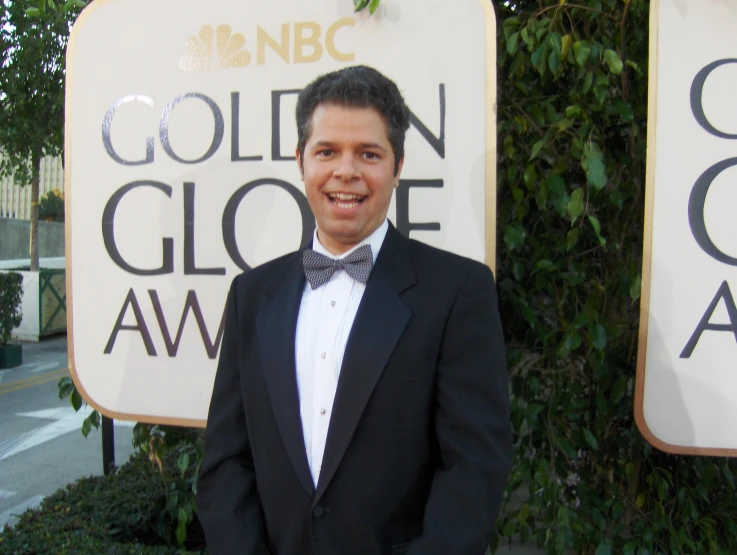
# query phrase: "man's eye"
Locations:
[[324, 152], [371, 155]]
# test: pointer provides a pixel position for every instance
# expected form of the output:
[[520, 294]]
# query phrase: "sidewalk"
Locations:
[[41, 446]]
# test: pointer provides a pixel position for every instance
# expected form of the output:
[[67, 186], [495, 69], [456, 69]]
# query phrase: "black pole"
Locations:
[[108, 446]]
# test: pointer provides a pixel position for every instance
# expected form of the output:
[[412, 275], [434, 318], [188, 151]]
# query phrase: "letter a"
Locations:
[[722, 293], [139, 327]]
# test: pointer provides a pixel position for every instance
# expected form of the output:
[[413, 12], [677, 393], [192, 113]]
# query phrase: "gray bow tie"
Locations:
[[320, 268]]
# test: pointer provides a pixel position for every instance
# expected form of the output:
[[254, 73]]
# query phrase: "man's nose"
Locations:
[[346, 169]]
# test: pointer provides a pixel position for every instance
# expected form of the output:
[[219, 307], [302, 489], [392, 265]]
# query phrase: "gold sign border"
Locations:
[[647, 259], [490, 198]]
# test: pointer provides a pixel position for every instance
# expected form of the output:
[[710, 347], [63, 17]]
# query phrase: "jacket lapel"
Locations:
[[380, 321], [277, 324]]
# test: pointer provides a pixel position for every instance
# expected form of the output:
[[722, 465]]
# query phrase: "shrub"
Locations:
[[125, 512], [11, 294], [51, 206], [572, 115]]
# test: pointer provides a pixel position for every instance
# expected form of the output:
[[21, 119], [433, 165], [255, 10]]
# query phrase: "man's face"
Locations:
[[348, 172]]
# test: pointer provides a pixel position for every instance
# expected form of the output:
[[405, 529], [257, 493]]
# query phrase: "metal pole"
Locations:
[[108, 446]]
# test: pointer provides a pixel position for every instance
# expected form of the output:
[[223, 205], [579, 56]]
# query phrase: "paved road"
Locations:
[[41, 446]]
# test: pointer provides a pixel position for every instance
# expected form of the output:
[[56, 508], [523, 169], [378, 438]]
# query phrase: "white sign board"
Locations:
[[686, 399], [180, 141]]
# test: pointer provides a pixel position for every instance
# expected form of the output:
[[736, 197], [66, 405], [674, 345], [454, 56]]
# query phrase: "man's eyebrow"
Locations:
[[372, 145], [330, 144]]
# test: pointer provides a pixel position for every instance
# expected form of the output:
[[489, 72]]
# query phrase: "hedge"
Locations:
[[123, 513]]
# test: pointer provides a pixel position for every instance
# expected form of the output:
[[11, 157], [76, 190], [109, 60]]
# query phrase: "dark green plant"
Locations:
[[572, 114], [125, 512], [186, 447], [51, 207], [11, 295]]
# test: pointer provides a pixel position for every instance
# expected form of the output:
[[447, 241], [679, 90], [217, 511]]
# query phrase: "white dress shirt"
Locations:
[[324, 323]]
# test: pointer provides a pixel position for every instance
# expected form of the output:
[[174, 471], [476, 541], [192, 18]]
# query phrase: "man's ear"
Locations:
[[399, 172], [300, 163]]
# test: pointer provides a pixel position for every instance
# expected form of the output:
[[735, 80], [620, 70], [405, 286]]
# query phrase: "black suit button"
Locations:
[[318, 511]]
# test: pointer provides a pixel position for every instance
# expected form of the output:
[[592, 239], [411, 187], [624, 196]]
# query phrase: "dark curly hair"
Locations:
[[355, 87]]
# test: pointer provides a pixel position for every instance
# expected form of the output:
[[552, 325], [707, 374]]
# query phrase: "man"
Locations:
[[361, 402]]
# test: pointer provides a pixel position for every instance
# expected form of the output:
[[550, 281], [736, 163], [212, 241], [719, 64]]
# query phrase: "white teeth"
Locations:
[[343, 196], [346, 204]]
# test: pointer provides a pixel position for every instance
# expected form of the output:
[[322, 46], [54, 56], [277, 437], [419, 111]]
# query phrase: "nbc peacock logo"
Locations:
[[209, 43]]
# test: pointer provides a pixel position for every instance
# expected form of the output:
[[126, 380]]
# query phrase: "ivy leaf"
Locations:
[[33, 12], [76, 400], [513, 42], [538, 58], [619, 389], [575, 204], [635, 288], [588, 81], [514, 236], [95, 419], [537, 147], [556, 43], [182, 525], [567, 448], [581, 51], [595, 172], [572, 238], [566, 42], [86, 427], [183, 463], [598, 337], [66, 386], [590, 439], [509, 528], [554, 62], [597, 229], [613, 61]]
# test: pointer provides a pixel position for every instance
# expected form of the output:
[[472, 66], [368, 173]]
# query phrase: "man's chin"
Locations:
[[341, 237]]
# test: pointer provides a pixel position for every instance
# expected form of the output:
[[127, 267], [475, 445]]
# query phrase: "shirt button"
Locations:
[[332, 303], [322, 411], [323, 355]]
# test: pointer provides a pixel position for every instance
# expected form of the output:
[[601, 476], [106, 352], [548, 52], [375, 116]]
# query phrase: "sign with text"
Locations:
[[180, 167], [686, 395]]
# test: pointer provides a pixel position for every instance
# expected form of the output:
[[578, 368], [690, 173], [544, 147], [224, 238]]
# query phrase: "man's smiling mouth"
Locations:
[[345, 200]]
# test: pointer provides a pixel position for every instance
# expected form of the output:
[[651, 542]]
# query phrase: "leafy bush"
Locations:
[[51, 206], [123, 513], [572, 114], [11, 295]]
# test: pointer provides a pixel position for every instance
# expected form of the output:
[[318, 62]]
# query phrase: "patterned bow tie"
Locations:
[[319, 268]]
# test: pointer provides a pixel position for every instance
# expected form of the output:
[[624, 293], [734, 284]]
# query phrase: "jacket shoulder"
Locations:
[[426, 256], [267, 273]]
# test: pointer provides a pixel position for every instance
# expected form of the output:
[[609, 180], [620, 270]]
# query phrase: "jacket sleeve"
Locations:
[[228, 505], [472, 425]]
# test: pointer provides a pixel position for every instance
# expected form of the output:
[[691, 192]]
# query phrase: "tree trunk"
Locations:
[[35, 183]]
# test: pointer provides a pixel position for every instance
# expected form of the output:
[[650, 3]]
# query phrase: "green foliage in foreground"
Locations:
[[124, 513], [11, 296], [572, 115]]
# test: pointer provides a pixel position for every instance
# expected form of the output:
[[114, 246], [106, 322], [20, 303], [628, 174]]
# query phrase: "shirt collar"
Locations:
[[376, 239]]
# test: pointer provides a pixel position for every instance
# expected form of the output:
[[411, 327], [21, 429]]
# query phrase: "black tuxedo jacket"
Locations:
[[419, 442]]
